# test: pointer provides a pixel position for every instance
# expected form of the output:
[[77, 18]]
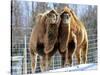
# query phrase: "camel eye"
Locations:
[[67, 16], [48, 15]]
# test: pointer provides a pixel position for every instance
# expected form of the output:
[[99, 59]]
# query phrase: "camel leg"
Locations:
[[63, 60], [33, 61], [70, 56], [78, 55], [84, 52], [72, 45], [71, 50], [44, 63]]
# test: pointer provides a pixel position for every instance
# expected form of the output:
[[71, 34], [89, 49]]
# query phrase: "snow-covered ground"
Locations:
[[82, 67]]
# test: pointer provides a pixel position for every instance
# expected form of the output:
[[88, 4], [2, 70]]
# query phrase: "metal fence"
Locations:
[[21, 65]]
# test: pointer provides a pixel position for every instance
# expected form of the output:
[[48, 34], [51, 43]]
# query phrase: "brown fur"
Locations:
[[75, 39], [43, 39]]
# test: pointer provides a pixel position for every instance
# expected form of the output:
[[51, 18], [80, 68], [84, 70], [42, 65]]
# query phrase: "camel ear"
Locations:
[[53, 11]]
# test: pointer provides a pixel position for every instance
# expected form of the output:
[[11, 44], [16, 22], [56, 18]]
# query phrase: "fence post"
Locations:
[[53, 61], [25, 56]]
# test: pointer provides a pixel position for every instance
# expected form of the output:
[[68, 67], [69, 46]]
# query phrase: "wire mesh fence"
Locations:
[[22, 64]]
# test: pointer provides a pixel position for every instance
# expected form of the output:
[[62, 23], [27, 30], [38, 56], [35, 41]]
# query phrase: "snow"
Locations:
[[81, 67]]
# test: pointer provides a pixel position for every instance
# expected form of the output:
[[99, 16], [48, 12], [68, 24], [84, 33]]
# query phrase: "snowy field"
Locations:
[[17, 67], [82, 67]]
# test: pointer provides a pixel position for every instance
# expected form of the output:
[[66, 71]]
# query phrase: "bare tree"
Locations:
[[16, 23], [90, 17]]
